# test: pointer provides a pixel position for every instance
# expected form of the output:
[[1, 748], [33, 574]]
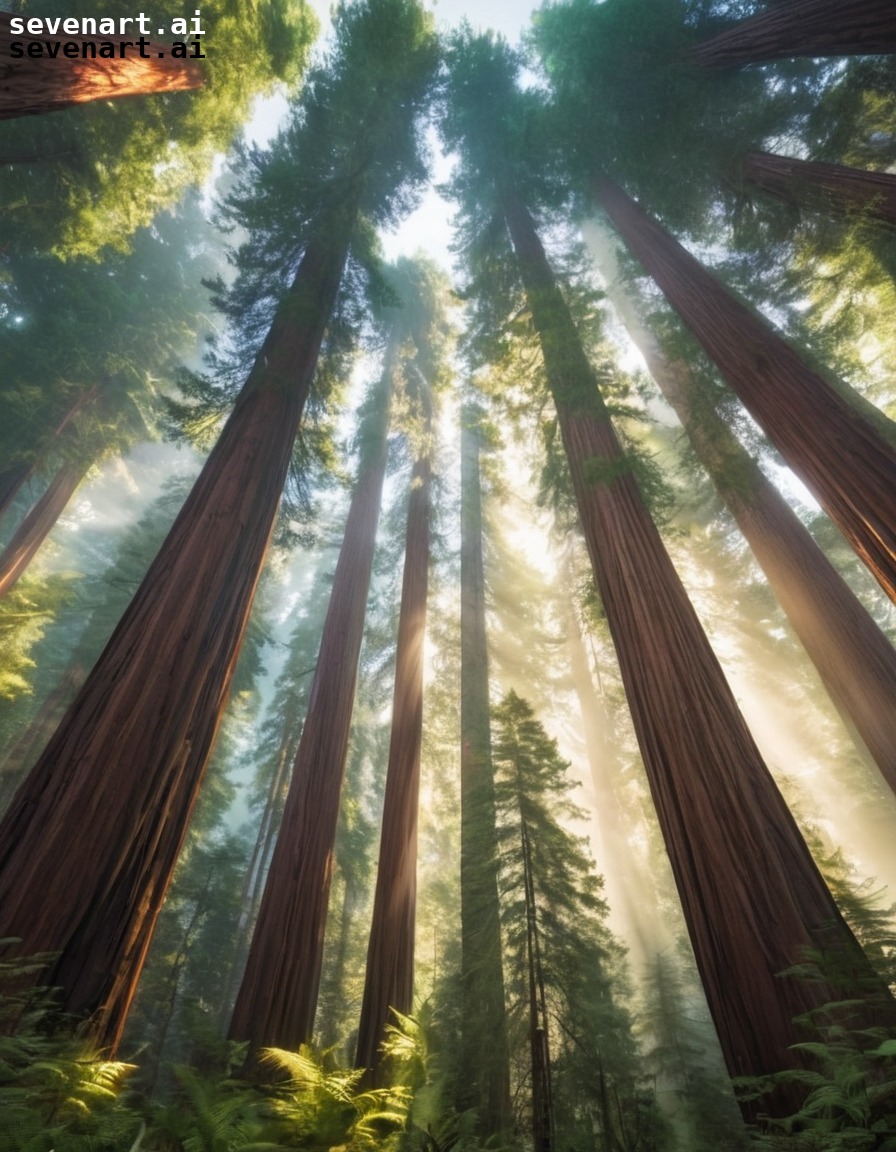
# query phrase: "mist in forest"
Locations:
[[447, 578]]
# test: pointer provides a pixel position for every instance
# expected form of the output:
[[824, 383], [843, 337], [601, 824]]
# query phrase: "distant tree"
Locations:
[[562, 961], [681, 1055], [154, 700], [88, 388], [32, 85], [389, 972], [803, 28], [485, 1080]]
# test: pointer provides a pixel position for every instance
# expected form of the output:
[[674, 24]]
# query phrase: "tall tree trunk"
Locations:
[[823, 187], [113, 792], [333, 990], [804, 28], [32, 85], [840, 456], [277, 999], [856, 662], [389, 973], [256, 872], [12, 480], [38, 523], [539, 1045], [485, 1080], [752, 896]]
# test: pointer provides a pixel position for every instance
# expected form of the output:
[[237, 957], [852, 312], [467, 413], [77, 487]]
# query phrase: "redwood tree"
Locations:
[[752, 896], [855, 661], [846, 463], [276, 1003], [485, 1082], [823, 187], [803, 28], [389, 973], [30, 85], [36, 525], [129, 756]]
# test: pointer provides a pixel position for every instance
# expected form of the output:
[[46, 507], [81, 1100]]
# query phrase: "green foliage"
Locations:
[[322, 1109], [101, 171], [596, 1074], [850, 1103], [55, 1094], [26, 613]]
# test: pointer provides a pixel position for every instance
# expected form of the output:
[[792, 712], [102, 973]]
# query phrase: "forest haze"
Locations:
[[448, 701]]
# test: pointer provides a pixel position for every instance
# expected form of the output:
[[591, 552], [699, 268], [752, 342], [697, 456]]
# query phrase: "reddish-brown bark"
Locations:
[[819, 187], [855, 660], [804, 28], [13, 479], [113, 792], [277, 1000], [31, 85], [849, 467], [753, 899], [38, 523], [11, 482], [485, 1085], [389, 976]]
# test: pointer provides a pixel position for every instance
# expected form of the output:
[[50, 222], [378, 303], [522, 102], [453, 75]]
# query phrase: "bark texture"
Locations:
[[845, 462], [854, 659], [804, 28], [13, 479], [32, 85], [485, 1084], [277, 999], [389, 975], [37, 524], [823, 187], [752, 896], [125, 765]]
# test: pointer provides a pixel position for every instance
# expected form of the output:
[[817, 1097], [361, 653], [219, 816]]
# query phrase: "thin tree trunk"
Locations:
[[542, 1089], [113, 793], [843, 460], [38, 523], [485, 1082], [32, 85], [752, 897], [804, 28], [256, 873], [277, 999], [856, 662], [389, 973], [333, 989], [12, 480], [823, 187]]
